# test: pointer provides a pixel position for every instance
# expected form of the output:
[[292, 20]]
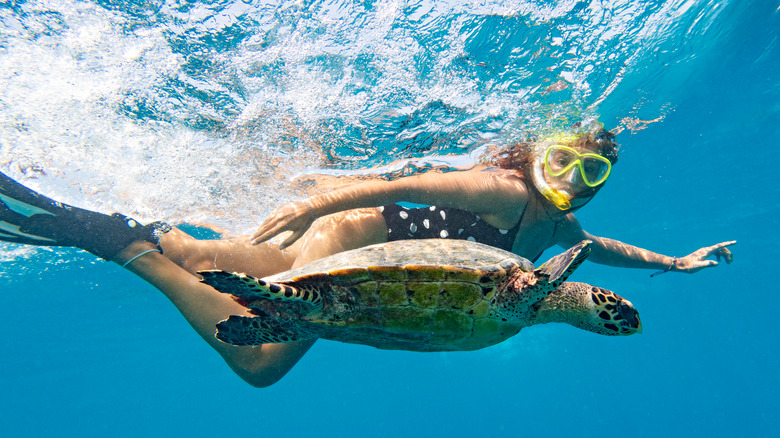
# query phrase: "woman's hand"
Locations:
[[294, 216], [697, 260]]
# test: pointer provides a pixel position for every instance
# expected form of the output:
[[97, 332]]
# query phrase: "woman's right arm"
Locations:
[[483, 191]]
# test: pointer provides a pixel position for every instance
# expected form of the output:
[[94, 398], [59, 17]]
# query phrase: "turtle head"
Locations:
[[589, 308], [611, 314]]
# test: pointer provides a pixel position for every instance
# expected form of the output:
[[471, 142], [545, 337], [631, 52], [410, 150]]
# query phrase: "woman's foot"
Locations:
[[30, 218]]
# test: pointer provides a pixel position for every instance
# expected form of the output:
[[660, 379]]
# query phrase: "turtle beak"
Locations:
[[630, 318]]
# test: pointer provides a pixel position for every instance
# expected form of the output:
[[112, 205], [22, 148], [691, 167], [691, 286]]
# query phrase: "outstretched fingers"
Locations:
[[720, 251], [699, 258], [292, 239], [268, 229], [295, 216]]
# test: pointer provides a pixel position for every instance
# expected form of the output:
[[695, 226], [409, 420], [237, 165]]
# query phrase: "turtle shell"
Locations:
[[435, 256], [423, 295]]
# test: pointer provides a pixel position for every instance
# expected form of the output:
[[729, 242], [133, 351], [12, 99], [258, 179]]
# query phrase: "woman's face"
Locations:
[[576, 173]]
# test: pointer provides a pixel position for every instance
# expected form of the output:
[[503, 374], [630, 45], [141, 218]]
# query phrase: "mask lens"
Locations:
[[595, 170], [560, 160]]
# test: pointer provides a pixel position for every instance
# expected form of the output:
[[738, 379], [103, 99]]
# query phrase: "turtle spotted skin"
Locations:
[[419, 295]]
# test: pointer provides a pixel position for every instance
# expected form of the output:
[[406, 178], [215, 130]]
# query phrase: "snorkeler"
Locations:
[[521, 199]]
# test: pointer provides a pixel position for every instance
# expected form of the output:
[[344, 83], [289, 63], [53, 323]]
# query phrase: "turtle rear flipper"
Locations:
[[560, 267], [248, 289], [243, 330]]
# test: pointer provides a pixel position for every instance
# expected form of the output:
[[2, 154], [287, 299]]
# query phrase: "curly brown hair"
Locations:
[[520, 155]]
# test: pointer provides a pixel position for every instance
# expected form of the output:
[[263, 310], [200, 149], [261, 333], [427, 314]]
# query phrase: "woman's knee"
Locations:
[[259, 379], [262, 366]]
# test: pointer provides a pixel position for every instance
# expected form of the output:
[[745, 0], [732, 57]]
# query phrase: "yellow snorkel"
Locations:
[[559, 198]]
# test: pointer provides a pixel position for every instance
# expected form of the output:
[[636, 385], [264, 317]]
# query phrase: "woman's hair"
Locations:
[[520, 155]]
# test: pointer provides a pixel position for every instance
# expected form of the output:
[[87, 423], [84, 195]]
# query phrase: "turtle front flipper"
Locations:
[[243, 330], [249, 289], [560, 267]]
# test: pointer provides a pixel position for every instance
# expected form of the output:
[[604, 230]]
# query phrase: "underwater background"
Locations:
[[216, 112]]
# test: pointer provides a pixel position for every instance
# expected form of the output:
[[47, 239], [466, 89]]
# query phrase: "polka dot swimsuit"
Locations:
[[445, 223]]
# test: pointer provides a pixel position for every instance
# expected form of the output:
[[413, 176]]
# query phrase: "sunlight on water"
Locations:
[[191, 111]]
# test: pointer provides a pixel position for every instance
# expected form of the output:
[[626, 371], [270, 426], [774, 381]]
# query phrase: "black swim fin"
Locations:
[[30, 218]]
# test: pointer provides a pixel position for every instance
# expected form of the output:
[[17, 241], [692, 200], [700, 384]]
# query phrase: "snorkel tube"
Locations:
[[559, 198]]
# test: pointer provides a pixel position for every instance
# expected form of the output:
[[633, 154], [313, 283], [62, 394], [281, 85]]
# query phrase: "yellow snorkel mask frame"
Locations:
[[565, 158]]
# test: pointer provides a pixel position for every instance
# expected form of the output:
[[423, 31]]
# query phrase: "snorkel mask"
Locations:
[[560, 161]]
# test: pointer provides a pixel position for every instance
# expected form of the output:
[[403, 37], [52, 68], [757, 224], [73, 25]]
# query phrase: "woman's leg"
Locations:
[[237, 255], [341, 232], [29, 218], [328, 235], [203, 307]]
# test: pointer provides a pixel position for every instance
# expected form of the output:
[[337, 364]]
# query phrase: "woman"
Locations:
[[521, 200]]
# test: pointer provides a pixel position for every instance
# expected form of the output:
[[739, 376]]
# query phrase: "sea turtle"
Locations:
[[419, 295]]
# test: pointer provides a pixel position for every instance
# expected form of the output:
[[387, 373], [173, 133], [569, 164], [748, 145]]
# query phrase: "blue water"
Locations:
[[198, 112]]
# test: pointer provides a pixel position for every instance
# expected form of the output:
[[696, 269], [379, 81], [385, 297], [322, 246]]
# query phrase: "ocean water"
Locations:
[[210, 112]]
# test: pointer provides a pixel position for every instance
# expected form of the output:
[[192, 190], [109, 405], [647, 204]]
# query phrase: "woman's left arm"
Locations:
[[615, 253]]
